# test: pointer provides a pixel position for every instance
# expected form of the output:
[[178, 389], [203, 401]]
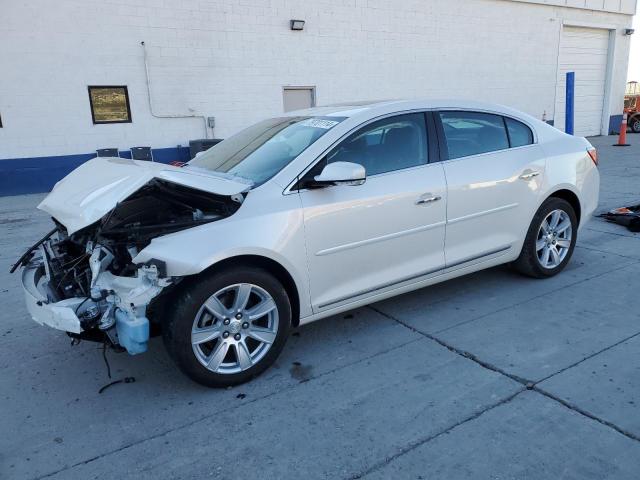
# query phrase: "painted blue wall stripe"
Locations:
[[39, 174]]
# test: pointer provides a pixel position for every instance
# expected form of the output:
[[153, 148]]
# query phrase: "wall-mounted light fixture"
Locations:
[[629, 31], [296, 24]]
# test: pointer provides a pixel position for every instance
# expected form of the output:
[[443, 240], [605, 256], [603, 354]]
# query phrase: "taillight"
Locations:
[[593, 153]]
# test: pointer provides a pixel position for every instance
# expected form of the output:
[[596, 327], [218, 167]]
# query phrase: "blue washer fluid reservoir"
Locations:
[[133, 332]]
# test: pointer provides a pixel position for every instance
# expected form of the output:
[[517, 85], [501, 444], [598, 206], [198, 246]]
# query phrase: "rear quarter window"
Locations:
[[519, 133]]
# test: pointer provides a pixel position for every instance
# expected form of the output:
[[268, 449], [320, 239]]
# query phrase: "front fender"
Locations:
[[254, 230]]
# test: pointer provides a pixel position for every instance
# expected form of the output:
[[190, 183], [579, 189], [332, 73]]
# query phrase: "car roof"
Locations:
[[357, 112], [353, 109]]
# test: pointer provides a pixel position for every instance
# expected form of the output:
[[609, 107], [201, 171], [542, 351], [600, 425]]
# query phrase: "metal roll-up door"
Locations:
[[585, 52]]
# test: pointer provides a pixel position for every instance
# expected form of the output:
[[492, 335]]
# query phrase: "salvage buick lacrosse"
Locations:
[[301, 217]]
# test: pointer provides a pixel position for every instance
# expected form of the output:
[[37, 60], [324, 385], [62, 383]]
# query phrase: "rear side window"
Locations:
[[472, 133], [519, 133]]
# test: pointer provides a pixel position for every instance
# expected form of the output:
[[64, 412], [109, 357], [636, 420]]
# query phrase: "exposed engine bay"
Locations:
[[89, 277]]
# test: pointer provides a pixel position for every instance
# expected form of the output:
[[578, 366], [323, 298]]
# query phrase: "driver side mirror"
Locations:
[[339, 173]]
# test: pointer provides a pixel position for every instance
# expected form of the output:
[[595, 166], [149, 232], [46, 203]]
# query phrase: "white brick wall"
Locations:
[[231, 58], [615, 6]]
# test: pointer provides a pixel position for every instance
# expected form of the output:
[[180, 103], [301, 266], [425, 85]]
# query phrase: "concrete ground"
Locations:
[[489, 376]]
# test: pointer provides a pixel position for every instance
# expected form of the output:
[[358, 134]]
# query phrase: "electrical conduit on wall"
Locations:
[[39, 174], [150, 98]]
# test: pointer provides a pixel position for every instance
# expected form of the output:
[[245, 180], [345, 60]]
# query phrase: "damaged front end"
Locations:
[[87, 284]]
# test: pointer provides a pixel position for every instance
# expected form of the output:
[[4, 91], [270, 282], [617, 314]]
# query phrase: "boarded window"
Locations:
[[109, 104]]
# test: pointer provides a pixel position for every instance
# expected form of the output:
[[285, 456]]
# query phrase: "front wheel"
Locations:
[[635, 124], [550, 240], [228, 326]]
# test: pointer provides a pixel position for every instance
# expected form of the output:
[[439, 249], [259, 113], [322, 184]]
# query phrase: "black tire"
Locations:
[[634, 123], [528, 262], [187, 302]]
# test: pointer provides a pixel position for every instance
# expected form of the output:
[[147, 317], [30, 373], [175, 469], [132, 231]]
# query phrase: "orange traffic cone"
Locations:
[[622, 139]]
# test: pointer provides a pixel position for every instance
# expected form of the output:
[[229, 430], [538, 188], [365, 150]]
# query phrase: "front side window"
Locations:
[[519, 133], [472, 133], [387, 145], [259, 152]]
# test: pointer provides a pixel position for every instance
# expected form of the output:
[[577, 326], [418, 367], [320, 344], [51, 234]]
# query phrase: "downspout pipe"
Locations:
[[149, 98]]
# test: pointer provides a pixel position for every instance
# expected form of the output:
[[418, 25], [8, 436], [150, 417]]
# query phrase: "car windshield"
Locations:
[[262, 150]]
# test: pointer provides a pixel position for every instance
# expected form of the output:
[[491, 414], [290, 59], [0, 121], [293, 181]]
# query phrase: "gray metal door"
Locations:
[[297, 98]]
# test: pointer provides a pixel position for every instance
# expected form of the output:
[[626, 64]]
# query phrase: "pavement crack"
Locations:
[[528, 384], [422, 441], [218, 412], [578, 282], [628, 235], [463, 353], [581, 411], [595, 354], [607, 253]]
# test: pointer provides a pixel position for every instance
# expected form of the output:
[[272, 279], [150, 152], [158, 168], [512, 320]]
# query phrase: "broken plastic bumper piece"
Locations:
[[59, 315], [88, 293], [130, 332]]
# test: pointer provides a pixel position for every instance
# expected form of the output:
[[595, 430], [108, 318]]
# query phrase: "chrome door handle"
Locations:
[[428, 198], [529, 175]]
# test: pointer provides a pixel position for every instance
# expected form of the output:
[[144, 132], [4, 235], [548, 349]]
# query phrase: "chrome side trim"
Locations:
[[421, 276], [481, 214], [368, 241], [478, 257], [381, 287]]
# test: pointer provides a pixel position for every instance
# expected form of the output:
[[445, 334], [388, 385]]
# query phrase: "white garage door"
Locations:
[[583, 51]]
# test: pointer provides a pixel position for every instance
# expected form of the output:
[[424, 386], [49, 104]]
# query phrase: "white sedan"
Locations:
[[301, 217]]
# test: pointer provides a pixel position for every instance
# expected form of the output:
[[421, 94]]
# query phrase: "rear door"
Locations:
[[494, 171]]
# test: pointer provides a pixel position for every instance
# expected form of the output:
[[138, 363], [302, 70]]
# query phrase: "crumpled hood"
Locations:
[[97, 186]]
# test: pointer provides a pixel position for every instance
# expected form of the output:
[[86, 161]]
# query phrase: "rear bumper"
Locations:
[[60, 315], [590, 195]]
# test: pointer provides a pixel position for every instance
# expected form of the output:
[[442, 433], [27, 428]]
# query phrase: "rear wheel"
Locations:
[[550, 240], [229, 326], [635, 124]]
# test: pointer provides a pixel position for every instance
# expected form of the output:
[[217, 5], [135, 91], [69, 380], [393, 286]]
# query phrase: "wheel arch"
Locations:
[[271, 266], [571, 197]]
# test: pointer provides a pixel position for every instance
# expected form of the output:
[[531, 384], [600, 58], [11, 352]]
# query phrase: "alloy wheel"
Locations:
[[554, 239], [234, 328]]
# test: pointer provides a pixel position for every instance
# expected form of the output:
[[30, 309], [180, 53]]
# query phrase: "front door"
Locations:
[[386, 232]]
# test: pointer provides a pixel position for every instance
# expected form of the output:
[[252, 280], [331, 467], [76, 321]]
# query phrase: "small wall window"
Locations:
[[298, 98], [109, 104]]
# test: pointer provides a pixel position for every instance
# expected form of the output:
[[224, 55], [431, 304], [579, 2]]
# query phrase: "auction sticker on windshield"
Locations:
[[319, 123]]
